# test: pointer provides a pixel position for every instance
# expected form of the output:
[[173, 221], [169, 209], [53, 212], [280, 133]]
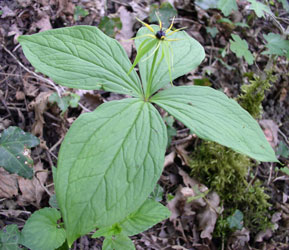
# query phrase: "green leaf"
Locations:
[[9, 238], [109, 25], [213, 31], [53, 202], [207, 4], [14, 143], [212, 116], [118, 242], [171, 131], [285, 4], [276, 45], [166, 12], [259, 8], [64, 102], [41, 230], [157, 193], [146, 46], [187, 55], [285, 170], [283, 150], [227, 6], [235, 221], [240, 48], [81, 57], [149, 214], [108, 163], [79, 12]]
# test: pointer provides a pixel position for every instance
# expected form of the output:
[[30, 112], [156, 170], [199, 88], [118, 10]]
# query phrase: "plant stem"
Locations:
[[149, 83]]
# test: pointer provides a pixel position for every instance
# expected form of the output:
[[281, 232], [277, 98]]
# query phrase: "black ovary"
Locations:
[[160, 34]]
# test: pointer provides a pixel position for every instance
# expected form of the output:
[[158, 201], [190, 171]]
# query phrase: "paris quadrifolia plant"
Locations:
[[112, 158]]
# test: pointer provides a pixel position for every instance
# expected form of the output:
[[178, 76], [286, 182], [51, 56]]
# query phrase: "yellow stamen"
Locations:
[[176, 31], [172, 23], [147, 25]]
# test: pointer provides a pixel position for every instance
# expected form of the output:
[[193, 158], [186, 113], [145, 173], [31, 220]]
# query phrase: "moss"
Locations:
[[254, 93], [226, 172]]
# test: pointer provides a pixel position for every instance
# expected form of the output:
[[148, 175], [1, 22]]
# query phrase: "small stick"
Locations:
[[31, 72]]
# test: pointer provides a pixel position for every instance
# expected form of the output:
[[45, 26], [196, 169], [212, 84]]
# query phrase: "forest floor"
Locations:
[[24, 103]]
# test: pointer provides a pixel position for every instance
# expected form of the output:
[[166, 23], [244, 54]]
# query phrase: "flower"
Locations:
[[154, 41]]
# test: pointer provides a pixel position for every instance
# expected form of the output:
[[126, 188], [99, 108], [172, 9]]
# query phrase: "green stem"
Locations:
[[149, 83]]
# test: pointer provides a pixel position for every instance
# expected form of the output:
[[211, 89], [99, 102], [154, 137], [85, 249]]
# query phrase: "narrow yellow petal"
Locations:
[[160, 22], [146, 35], [172, 23], [147, 25], [176, 31], [172, 40]]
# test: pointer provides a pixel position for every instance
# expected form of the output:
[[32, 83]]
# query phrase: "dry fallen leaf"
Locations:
[[39, 106], [20, 96], [126, 31], [8, 184], [270, 129], [207, 217], [239, 240], [32, 190], [44, 23]]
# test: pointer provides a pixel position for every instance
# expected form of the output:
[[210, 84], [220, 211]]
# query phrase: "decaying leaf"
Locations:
[[127, 19], [39, 105], [194, 199], [270, 129], [8, 184], [238, 239], [207, 217], [32, 190]]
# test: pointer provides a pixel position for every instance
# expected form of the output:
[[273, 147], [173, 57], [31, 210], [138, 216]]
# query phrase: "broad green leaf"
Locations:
[[41, 230], [227, 6], [236, 220], [187, 55], [259, 8], [276, 45], [9, 238], [81, 57], [108, 163], [240, 48], [118, 242], [211, 115], [166, 12], [150, 213], [207, 4], [13, 151]]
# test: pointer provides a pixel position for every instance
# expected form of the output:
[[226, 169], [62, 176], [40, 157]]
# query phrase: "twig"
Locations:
[[84, 108], [56, 144], [31, 72], [41, 184]]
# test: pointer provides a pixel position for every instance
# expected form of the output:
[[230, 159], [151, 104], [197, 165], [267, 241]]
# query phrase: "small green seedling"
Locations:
[[112, 158]]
